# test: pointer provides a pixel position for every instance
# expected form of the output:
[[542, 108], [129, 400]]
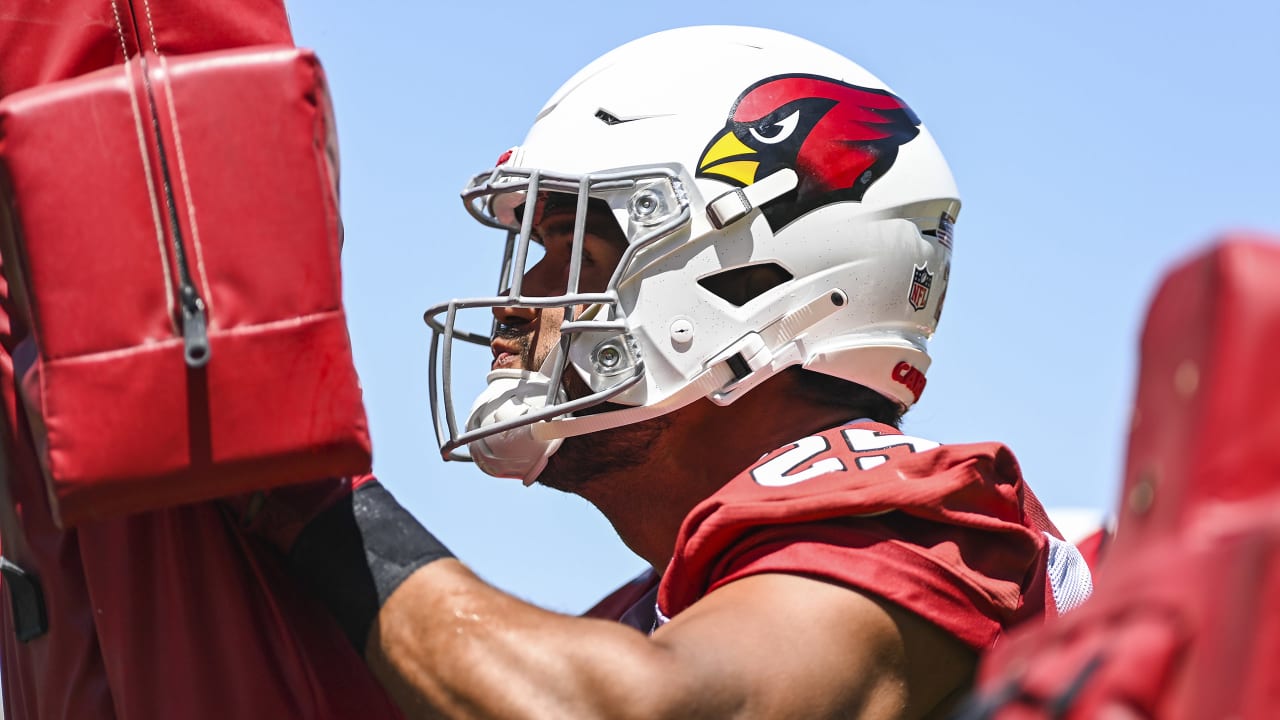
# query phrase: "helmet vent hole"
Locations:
[[741, 285], [607, 117]]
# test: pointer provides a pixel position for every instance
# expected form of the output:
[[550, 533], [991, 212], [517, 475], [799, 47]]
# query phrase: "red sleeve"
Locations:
[[955, 578]]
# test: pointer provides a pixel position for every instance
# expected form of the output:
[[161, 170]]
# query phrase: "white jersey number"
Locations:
[[871, 449]]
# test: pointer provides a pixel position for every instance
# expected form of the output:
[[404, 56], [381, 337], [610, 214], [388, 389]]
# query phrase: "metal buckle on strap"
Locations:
[[30, 620], [738, 203]]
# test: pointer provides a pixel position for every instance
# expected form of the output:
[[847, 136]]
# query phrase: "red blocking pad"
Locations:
[[171, 231], [1183, 621], [42, 41]]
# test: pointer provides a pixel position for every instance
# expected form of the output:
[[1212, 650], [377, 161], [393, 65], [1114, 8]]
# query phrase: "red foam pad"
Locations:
[[43, 41], [1183, 621], [1206, 423], [122, 423]]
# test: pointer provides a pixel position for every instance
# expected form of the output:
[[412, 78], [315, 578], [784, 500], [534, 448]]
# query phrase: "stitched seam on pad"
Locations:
[[186, 187], [182, 163], [146, 169], [155, 46], [238, 330], [124, 49]]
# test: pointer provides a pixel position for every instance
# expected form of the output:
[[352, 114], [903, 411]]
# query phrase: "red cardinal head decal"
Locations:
[[839, 139]]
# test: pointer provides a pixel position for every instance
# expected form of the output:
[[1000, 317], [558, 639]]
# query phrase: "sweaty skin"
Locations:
[[446, 644]]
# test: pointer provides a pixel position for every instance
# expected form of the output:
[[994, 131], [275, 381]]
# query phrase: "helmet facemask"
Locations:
[[505, 430]]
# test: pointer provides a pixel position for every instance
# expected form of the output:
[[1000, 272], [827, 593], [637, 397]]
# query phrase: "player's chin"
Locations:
[[576, 388], [586, 459]]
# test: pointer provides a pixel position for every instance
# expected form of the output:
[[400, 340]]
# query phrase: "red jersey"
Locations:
[[951, 533]]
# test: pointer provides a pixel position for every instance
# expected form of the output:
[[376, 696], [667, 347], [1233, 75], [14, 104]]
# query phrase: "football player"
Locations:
[[726, 251]]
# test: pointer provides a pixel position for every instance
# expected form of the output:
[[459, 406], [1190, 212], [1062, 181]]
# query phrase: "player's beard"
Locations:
[[590, 459], [586, 459]]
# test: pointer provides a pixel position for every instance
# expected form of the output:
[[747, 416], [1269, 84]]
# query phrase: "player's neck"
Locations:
[[705, 447]]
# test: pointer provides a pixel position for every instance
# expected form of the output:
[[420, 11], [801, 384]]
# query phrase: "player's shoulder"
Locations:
[[866, 444], [849, 448], [864, 454], [860, 477]]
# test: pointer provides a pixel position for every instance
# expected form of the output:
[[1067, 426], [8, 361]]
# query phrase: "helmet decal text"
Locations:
[[907, 374]]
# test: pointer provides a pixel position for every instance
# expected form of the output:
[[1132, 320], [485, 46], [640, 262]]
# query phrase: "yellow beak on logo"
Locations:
[[729, 158]]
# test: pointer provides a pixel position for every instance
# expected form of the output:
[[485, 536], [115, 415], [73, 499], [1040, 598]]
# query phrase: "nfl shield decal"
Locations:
[[921, 281]]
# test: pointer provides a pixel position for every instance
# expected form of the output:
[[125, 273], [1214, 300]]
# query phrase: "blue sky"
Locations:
[[1095, 144]]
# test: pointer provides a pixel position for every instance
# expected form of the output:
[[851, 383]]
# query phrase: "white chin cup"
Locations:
[[513, 453]]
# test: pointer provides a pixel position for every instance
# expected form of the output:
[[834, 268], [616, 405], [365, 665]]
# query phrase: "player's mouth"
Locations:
[[507, 353], [510, 343]]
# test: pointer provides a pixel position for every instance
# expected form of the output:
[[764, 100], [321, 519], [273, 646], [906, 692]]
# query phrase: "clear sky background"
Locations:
[[1095, 145]]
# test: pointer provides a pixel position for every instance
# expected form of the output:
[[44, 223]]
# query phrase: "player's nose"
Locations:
[[548, 276], [514, 315]]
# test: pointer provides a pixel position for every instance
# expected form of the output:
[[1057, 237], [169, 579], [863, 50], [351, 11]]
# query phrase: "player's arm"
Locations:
[[446, 644]]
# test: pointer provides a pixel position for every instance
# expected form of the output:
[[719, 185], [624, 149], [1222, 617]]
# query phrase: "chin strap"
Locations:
[[736, 204], [515, 452], [701, 386], [727, 375], [776, 346]]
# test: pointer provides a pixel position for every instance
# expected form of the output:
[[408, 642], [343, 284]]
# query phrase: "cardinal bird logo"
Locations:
[[839, 139]]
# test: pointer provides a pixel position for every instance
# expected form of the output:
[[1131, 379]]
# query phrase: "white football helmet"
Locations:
[[717, 149]]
